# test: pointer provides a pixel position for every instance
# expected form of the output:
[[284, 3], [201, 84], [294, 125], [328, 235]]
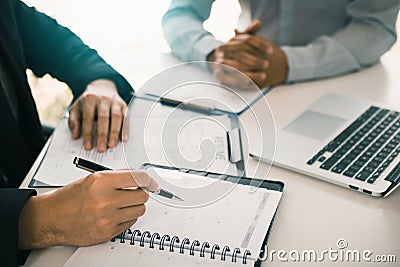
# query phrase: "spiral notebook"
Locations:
[[226, 226]]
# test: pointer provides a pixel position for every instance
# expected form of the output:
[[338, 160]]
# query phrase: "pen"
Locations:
[[95, 167], [185, 105]]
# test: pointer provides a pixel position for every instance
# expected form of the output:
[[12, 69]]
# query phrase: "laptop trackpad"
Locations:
[[315, 125]]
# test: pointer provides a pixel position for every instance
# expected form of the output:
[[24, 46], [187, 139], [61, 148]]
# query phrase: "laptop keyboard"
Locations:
[[365, 148]]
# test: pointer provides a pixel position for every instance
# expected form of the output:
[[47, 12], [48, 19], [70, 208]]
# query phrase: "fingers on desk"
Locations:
[[116, 122], [74, 121], [88, 110], [103, 119]]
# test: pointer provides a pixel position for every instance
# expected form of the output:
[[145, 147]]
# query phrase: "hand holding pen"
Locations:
[[95, 167], [88, 211]]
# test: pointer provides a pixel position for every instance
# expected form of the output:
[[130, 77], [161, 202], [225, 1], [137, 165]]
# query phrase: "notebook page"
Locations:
[[213, 211]]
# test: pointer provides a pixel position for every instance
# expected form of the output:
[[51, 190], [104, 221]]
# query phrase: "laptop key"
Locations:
[[346, 161], [339, 168], [311, 161], [373, 178], [343, 150], [383, 154], [390, 159], [381, 169], [360, 148], [378, 159], [351, 156], [387, 149], [314, 159], [391, 146], [373, 164], [359, 163], [363, 175], [332, 146], [372, 150], [369, 169], [395, 141], [349, 173], [354, 168], [363, 158], [385, 164], [329, 163]]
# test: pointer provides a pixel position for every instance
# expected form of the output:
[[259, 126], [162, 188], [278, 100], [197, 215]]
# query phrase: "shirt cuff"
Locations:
[[321, 59], [203, 48], [294, 59]]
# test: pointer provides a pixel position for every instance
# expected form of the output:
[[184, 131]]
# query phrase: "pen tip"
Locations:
[[178, 198]]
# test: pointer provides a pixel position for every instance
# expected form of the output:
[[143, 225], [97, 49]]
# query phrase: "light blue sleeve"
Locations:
[[370, 32], [183, 29]]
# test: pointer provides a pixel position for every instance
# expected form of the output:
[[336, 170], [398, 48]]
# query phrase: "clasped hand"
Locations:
[[259, 59]]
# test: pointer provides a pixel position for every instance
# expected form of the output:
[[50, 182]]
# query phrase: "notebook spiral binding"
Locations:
[[147, 237]]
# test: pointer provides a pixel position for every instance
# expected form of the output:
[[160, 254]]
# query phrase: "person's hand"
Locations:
[[101, 100], [259, 59], [89, 211]]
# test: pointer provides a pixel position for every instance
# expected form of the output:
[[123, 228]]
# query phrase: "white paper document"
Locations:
[[199, 143], [57, 168]]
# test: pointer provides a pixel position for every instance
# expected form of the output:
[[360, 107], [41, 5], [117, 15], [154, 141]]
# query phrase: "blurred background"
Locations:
[[126, 33]]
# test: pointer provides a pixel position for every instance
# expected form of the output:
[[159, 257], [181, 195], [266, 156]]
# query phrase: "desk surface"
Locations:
[[313, 215]]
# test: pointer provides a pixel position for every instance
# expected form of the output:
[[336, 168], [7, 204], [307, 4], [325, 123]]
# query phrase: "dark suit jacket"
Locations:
[[32, 40]]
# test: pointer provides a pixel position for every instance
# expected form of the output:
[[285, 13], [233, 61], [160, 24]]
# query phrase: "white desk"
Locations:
[[313, 214]]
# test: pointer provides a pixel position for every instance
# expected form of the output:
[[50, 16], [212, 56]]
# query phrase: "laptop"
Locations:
[[342, 140]]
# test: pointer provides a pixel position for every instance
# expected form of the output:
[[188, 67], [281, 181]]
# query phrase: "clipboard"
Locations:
[[233, 133], [267, 184], [193, 86]]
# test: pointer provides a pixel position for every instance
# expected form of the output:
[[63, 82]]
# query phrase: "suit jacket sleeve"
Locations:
[[54, 49], [12, 200]]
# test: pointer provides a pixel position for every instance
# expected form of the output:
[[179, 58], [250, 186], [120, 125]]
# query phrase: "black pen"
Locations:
[[95, 167], [185, 105]]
